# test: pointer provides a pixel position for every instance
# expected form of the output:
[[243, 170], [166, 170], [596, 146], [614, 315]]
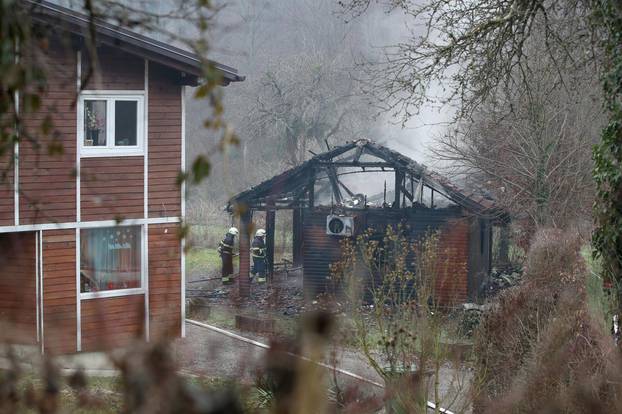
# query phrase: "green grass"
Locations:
[[105, 390], [222, 317], [202, 260], [599, 302], [205, 262], [207, 235]]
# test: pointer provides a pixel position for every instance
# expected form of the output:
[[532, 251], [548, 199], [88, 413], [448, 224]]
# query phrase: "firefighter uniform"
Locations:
[[258, 252], [225, 249]]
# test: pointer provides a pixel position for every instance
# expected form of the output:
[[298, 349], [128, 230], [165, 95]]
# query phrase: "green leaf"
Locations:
[[200, 169], [182, 177], [56, 148], [47, 125]]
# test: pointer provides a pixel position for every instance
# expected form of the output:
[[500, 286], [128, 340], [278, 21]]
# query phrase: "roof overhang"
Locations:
[[187, 63]]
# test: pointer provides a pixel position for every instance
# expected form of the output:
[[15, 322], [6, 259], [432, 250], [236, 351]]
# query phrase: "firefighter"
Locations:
[[258, 251], [226, 255]]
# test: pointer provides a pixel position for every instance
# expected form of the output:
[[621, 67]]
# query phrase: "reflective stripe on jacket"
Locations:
[[226, 245], [258, 248]]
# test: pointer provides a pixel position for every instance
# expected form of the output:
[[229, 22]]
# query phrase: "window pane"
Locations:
[[110, 258], [94, 123], [125, 122]]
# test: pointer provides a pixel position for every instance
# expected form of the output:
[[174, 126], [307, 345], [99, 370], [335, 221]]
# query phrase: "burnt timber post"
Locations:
[[270, 230], [311, 189], [297, 238], [399, 178], [244, 288]]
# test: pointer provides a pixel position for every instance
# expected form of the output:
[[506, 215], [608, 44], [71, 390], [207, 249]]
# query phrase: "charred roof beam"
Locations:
[[407, 193], [334, 183], [288, 181], [342, 164]]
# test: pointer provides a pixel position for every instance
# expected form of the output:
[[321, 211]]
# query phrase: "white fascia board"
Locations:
[[89, 224]]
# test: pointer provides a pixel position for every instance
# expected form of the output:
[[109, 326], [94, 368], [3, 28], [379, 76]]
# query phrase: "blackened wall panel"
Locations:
[[322, 250]]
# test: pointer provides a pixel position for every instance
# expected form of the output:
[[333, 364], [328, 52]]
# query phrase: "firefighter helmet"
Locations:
[[233, 231], [260, 233]]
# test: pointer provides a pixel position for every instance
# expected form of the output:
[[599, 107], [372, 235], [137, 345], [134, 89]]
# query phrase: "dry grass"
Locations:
[[540, 349]]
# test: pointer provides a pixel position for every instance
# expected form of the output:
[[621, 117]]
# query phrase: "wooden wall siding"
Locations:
[[322, 250], [7, 216], [452, 281], [47, 181], [18, 306], [111, 188], [164, 281], [59, 291], [109, 323], [164, 142], [117, 70]]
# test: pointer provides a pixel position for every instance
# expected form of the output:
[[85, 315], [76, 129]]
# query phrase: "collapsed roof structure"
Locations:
[[293, 188], [324, 191]]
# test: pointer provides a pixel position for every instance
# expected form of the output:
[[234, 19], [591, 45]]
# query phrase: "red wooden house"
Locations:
[[90, 256]]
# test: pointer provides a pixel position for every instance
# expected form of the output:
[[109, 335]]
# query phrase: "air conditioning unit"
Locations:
[[339, 225]]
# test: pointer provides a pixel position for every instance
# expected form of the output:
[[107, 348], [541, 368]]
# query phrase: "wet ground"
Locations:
[[204, 352], [207, 353], [283, 294]]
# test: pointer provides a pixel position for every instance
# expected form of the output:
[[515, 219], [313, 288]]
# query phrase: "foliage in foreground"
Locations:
[[541, 349], [608, 153], [391, 292]]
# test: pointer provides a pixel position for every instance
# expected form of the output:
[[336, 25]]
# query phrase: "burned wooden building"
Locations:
[[330, 200]]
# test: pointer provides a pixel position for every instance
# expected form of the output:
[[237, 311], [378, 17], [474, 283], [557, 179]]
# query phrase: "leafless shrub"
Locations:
[[540, 350], [554, 254], [568, 368], [389, 287]]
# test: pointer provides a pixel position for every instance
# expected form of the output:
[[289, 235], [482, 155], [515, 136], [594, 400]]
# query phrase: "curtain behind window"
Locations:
[[110, 258]]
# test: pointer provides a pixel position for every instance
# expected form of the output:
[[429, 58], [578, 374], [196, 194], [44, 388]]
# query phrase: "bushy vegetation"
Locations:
[[388, 288], [541, 349]]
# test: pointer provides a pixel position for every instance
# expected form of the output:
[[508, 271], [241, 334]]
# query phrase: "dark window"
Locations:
[[125, 123]]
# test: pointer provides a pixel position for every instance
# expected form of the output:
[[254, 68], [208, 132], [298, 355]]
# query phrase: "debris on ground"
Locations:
[[502, 278], [469, 317], [470, 314], [282, 295]]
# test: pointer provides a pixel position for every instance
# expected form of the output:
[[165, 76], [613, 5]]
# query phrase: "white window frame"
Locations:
[[111, 150], [119, 292]]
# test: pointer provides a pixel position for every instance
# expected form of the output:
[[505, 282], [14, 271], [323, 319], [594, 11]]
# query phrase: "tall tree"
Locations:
[[306, 102], [531, 145], [471, 48], [301, 88]]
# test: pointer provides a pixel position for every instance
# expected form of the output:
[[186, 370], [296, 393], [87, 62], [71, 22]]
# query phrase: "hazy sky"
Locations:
[[275, 30]]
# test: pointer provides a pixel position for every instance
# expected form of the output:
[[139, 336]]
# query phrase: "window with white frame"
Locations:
[[110, 124], [110, 258]]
